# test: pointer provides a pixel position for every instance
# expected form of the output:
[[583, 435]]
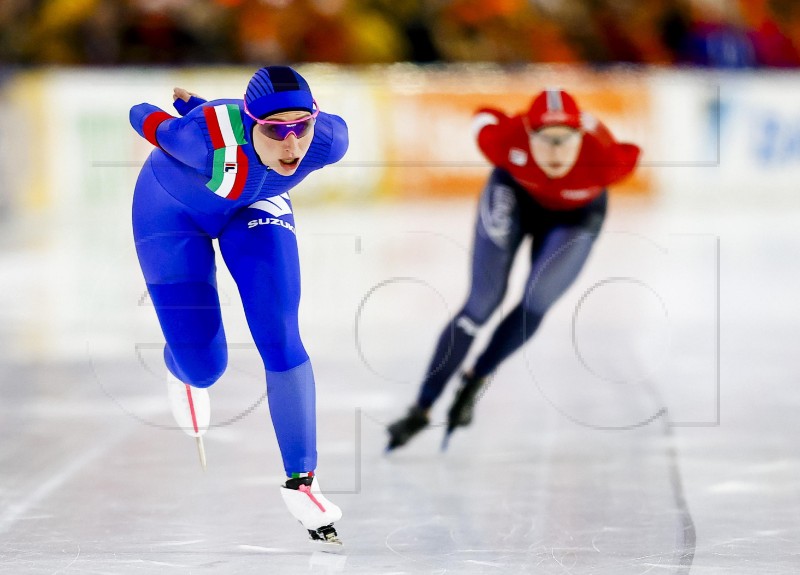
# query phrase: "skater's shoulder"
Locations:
[[340, 137], [216, 110]]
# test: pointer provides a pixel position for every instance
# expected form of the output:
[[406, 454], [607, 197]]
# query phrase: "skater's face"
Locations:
[[555, 149], [284, 155]]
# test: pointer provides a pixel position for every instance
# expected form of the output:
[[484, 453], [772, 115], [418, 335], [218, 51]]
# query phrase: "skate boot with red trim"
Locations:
[[190, 406], [311, 508]]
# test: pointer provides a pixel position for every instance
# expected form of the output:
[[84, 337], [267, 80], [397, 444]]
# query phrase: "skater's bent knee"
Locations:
[[208, 381], [282, 350], [284, 359], [198, 367]]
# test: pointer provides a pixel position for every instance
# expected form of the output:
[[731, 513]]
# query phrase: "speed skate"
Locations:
[[313, 510]]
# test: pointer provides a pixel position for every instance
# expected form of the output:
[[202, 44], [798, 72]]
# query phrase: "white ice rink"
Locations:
[[651, 426]]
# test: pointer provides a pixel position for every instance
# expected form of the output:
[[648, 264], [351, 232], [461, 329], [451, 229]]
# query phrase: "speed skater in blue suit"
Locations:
[[222, 170]]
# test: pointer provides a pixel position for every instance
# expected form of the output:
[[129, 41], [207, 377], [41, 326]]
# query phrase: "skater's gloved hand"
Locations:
[[185, 101]]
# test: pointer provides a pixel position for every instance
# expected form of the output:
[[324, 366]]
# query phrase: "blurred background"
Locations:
[[709, 89], [717, 33], [651, 68]]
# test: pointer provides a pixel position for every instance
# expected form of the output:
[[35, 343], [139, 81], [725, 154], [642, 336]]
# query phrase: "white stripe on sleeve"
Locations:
[[481, 120], [225, 128]]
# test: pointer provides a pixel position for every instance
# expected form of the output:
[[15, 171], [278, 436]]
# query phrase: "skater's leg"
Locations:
[[558, 254], [177, 260], [292, 404], [498, 234], [515, 329], [261, 254]]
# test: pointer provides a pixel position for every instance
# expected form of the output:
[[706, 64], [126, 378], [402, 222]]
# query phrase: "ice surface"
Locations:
[[572, 466]]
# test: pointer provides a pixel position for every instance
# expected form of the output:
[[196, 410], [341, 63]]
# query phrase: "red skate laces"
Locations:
[[307, 490]]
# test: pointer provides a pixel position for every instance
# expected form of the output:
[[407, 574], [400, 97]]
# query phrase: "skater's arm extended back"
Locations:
[[181, 138]]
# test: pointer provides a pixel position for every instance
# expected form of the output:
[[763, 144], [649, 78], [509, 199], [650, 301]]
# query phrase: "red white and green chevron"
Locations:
[[230, 161]]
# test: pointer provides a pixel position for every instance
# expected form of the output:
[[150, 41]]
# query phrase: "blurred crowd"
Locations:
[[714, 33]]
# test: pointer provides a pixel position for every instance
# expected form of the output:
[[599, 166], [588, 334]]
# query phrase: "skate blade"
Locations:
[[333, 546], [201, 451], [446, 438], [326, 539], [394, 444]]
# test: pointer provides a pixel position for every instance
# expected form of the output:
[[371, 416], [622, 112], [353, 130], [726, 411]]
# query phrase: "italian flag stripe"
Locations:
[[224, 123], [235, 118], [230, 124], [213, 128], [230, 172], [230, 160], [241, 174], [221, 180], [218, 171]]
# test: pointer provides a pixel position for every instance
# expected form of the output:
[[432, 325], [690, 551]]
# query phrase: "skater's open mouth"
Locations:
[[290, 163]]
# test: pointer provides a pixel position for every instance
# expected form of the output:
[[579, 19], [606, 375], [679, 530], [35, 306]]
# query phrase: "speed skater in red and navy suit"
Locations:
[[552, 166], [223, 170]]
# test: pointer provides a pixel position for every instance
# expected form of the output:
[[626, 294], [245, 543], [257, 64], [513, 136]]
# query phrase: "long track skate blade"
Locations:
[[446, 438], [335, 547], [326, 539], [201, 451], [393, 444]]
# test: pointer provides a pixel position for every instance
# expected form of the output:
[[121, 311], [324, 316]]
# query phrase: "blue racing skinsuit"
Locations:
[[204, 181]]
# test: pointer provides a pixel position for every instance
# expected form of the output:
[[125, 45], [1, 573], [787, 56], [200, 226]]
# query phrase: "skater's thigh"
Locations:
[[558, 254], [498, 234], [177, 261], [260, 250], [170, 246]]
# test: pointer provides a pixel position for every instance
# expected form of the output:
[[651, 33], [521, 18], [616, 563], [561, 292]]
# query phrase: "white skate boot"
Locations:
[[191, 409], [311, 508]]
